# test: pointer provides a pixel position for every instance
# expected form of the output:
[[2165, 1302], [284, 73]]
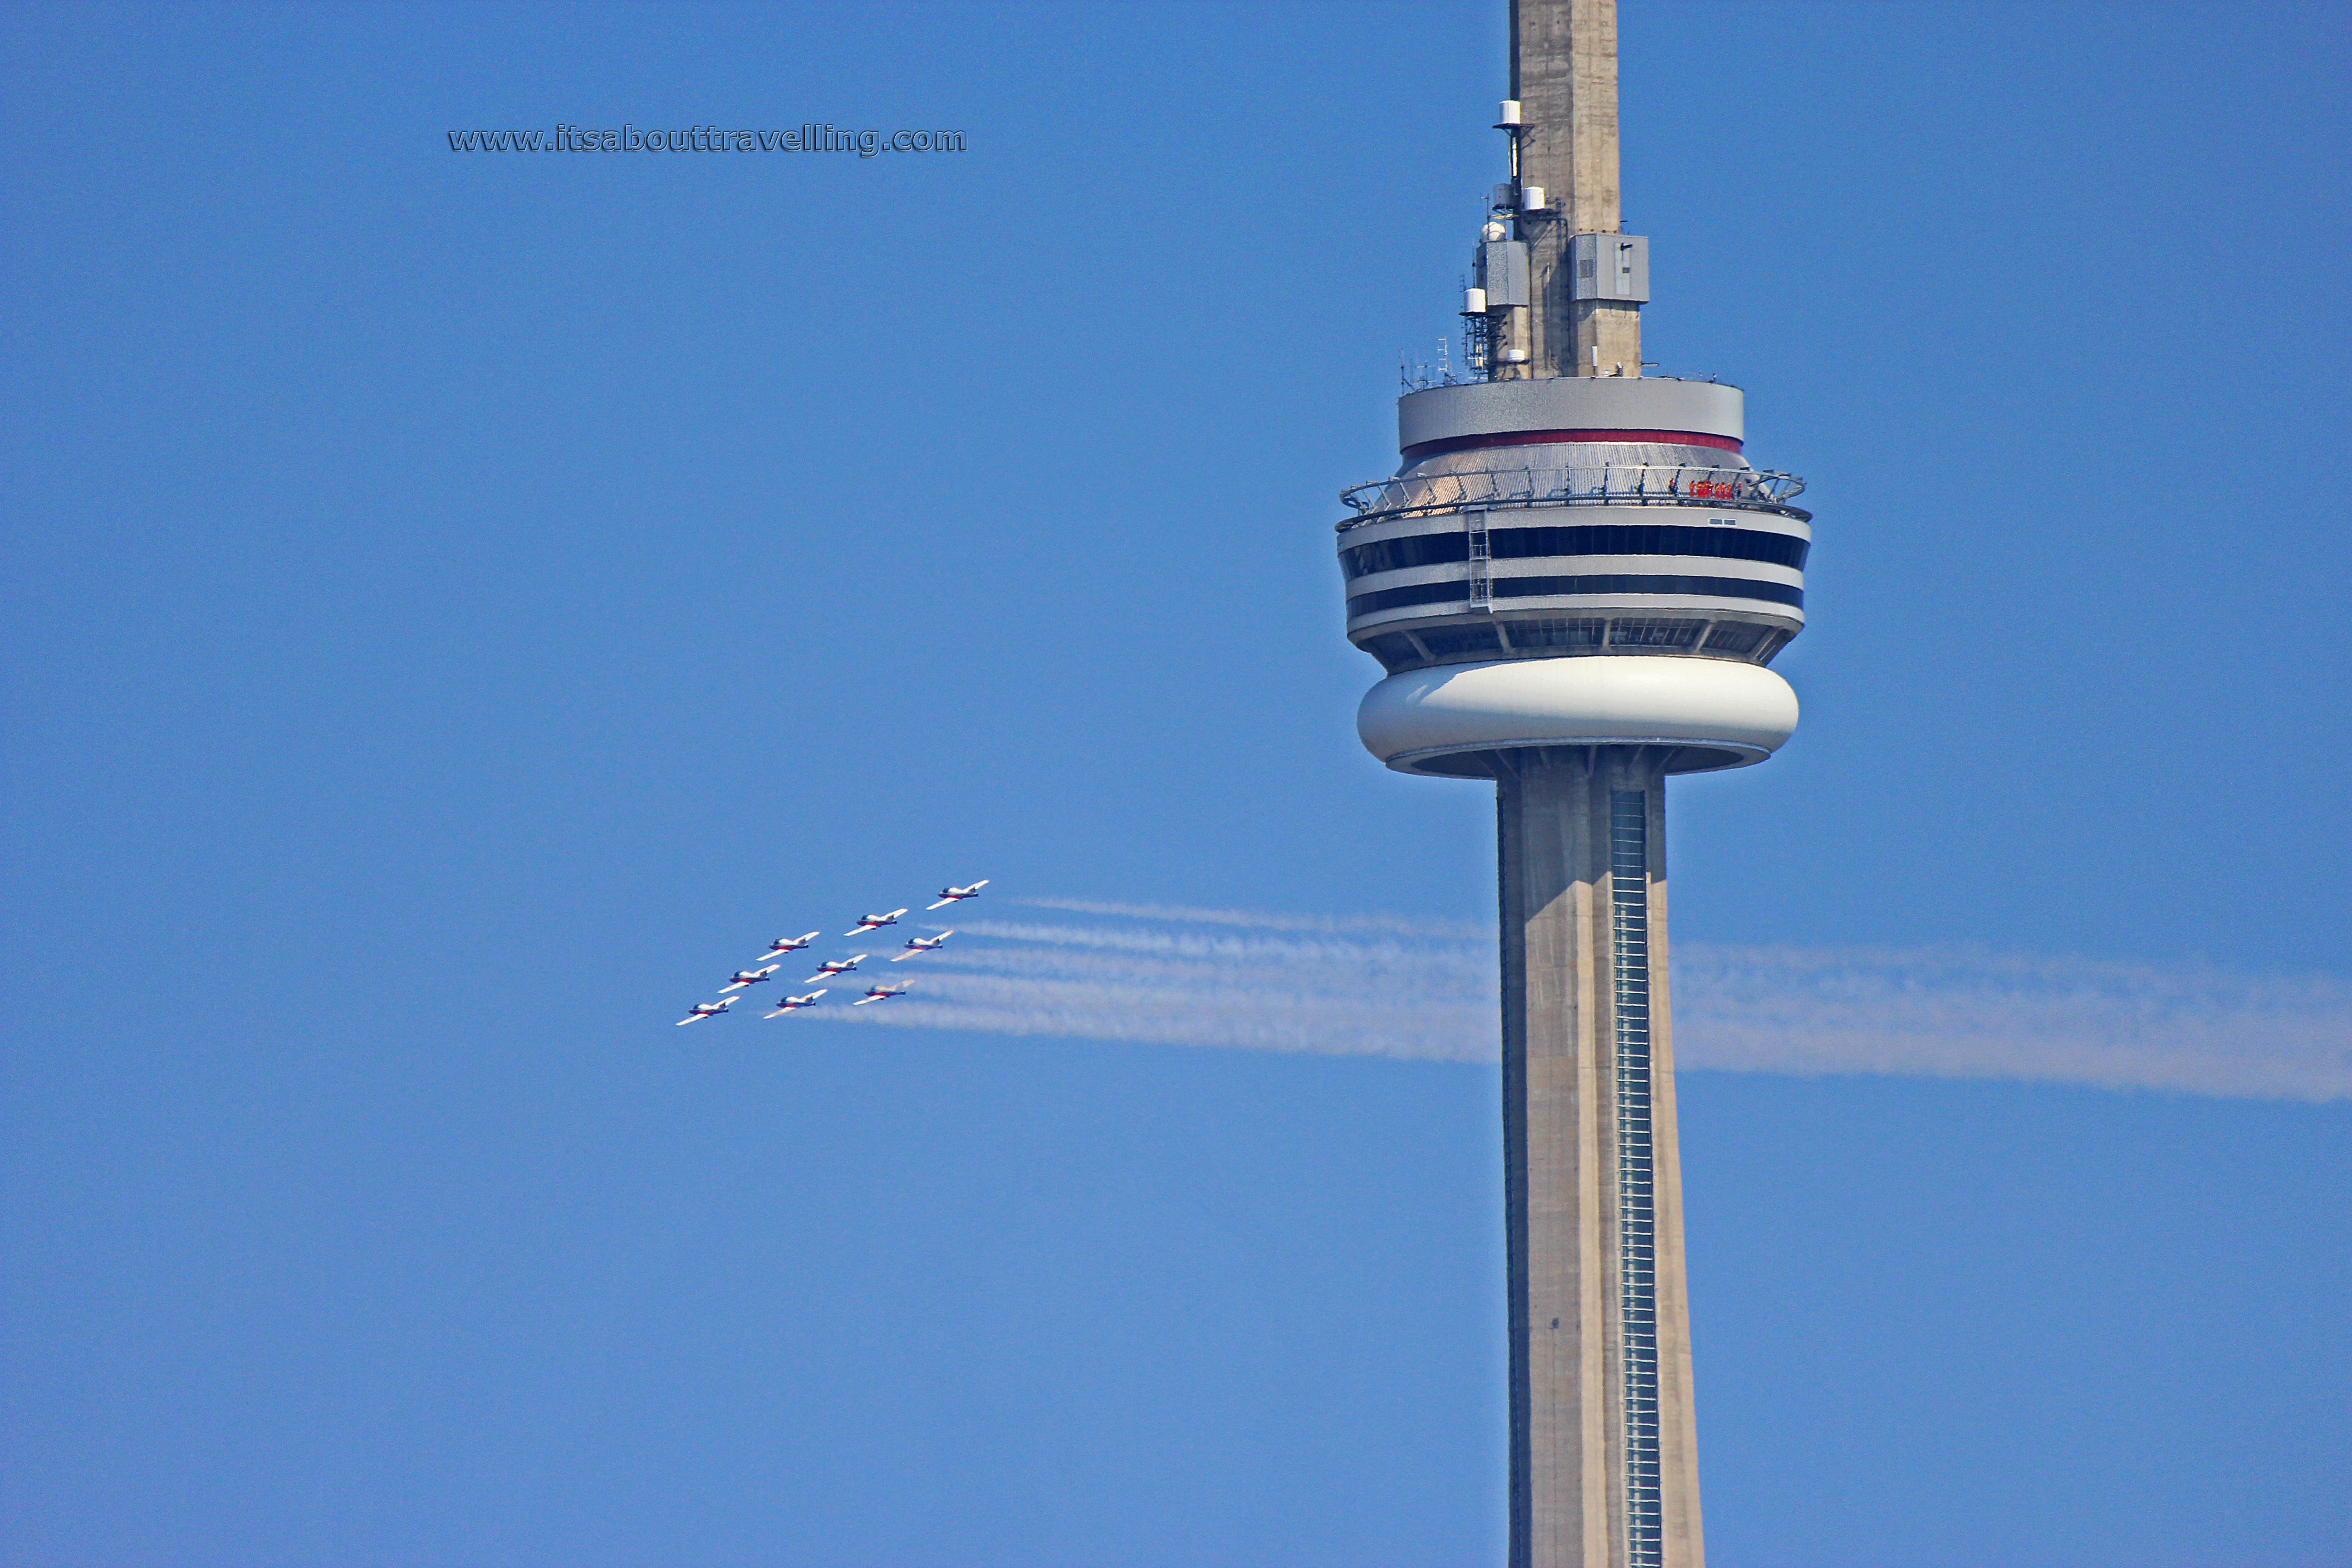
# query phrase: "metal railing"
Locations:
[[1623, 484]]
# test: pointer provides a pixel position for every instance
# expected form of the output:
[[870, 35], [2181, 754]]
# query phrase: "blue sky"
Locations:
[[460, 605]]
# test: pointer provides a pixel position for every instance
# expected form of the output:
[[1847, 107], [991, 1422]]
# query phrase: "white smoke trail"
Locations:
[[1391, 998], [1966, 1013], [1258, 920], [1153, 973]]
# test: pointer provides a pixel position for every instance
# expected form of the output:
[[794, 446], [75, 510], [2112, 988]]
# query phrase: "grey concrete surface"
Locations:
[[1572, 1491], [1564, 74], [1488, 407]]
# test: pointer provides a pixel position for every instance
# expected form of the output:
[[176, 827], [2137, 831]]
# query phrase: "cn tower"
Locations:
[[1575, 583]]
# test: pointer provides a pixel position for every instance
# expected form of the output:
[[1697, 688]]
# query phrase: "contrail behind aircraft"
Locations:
[[1231, 979]]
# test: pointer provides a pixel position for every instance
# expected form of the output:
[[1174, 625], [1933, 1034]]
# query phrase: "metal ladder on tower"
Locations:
[[1482, 563]]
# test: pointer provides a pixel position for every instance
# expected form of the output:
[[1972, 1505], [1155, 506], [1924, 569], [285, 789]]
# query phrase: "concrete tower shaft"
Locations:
[[1564, 78], [1604, 1463]]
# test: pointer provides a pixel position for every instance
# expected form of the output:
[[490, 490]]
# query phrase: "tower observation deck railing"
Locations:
[[1623, 484]]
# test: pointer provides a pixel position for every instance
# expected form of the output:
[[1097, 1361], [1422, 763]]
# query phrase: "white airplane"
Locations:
[[743, 977], [832, 966], [880, 993], [875, 923], [951, 893], [923, 944], [784, 944], [706, 1010], [795, 1004]]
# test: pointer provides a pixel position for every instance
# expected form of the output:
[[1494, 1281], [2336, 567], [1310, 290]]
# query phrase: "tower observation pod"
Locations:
[[1576, 583]]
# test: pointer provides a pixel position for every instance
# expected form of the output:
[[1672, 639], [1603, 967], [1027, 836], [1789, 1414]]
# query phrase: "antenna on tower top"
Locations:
[[1561, 119]]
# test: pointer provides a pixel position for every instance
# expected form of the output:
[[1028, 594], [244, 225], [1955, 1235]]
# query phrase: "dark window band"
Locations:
[[1591, 538], [1535, 587], [1544, 637]]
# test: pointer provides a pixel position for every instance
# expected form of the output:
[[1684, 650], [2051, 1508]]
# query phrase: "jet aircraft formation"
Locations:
[[761, 968]]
